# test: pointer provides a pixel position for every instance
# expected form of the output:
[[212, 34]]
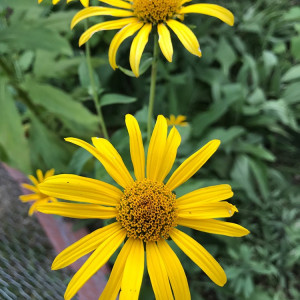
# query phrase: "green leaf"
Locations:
[[295, 47], [59, 21], [78, 160], [225, 55], [241, 174], [291, 93], [48, 151], [59, 103], [282, 112], [225, 135], [32, 38], [215, 111], [109, 99], [256, 97], [256, 150], [292, 74], [270, 61], [48, 65], [12, 137], [260, 174], [146, 62], [84, 76]]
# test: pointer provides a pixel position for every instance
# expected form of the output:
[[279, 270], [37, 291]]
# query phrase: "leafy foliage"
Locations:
[[245, 91]]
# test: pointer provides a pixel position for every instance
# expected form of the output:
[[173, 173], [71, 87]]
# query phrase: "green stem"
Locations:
[[152, 87], [94, 88]]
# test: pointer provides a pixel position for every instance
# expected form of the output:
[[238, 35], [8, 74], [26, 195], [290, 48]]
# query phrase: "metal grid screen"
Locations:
[[25, 252]]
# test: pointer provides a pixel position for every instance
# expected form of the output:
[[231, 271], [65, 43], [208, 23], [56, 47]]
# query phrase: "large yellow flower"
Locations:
[[85, 3], [37, 197], [146, 214], [142, 15]]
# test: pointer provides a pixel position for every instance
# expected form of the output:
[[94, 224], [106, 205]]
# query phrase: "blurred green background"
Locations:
[[245, 91]]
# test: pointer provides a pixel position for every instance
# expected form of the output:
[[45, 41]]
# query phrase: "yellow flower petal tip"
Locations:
[[37, 196], [146, 211], [180, 120], [140, 17]]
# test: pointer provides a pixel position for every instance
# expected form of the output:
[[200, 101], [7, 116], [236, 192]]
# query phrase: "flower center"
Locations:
[[147, 210], [155, 11]]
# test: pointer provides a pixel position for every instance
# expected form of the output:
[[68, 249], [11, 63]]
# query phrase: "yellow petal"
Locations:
[[136, 147], [208, 211], [114, 172], [33, 180], [81, 189], [49, 173], [157, 272], [186, 36], [112, 162], [133, 272], [175, 271], [55, 1], [117, 3], [169, 156], [156, 148], [123, 34], [215, 226], [109, 25], [191, 165], [85, 3], [99, 11], [32, 209], [202, 196], [84, 246], [184, 1], [164, 41], [138, 46], [30, 187], [199, 256], [40, 175], [113, 285], [78, 211], [30, 197], [99, 257], [210, 9]]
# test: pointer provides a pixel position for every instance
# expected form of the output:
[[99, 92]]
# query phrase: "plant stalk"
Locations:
[[94, 88], [152, 87]]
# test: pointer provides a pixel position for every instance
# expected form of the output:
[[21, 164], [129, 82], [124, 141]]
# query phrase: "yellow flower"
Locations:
[[38, 197], [146, 213], [142, 15], [85, 3], [180, 120]]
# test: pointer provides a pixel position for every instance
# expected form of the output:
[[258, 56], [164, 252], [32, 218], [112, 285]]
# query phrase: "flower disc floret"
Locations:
[[155, 11], [147, 210]]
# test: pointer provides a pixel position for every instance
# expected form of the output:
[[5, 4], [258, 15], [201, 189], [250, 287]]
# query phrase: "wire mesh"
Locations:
[[25, 252]]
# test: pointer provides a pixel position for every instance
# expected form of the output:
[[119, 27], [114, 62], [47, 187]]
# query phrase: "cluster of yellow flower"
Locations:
[[145, 208]]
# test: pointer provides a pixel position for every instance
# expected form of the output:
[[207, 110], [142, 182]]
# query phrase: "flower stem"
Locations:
[[152, 86], [94, 88]]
